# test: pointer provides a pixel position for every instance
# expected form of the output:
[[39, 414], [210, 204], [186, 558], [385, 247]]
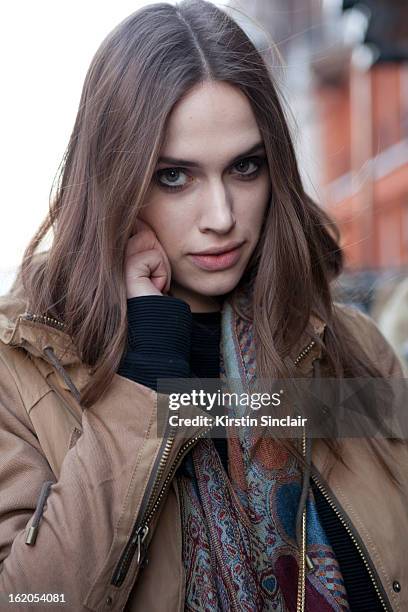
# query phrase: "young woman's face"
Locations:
[[210, 191]]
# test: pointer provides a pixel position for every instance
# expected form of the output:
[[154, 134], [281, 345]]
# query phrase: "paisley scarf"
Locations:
[[239, 540]]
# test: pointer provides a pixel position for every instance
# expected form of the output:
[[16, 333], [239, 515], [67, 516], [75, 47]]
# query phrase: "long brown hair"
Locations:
[[142, 68]]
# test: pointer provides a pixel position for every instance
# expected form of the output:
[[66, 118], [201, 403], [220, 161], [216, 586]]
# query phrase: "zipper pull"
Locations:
[[141, 536], [309, 563]]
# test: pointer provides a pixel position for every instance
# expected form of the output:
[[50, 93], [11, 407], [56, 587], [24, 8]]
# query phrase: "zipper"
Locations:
[[301, 590], [304, 352], [44, 319], [150, 506], [358, 544]]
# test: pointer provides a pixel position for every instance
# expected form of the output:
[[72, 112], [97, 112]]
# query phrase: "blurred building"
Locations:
[[346, 76]]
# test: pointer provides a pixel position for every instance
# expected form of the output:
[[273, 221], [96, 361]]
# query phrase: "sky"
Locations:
[[45, 50]]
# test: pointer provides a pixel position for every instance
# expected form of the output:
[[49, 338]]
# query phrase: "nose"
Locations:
[[217, 212]]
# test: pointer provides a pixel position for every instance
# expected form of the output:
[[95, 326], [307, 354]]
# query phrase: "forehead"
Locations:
[[213, 116]]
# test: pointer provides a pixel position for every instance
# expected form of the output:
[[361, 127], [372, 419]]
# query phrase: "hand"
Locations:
[[147, 268]]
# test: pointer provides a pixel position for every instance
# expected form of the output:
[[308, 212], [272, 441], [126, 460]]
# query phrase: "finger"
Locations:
[[148, 265], [166, 262]]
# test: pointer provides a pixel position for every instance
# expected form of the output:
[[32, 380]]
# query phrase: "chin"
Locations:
[[219, 284]]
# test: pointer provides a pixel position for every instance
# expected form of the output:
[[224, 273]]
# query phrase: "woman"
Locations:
[[180, 147]]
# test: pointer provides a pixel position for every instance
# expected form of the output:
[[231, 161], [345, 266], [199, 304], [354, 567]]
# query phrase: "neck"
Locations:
[[198, 303]]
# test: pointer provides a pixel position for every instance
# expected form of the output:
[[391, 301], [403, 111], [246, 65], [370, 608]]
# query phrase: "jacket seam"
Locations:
[[91, 595], [182, 583], [12, 377], [27, 407], [133, 477], [46, 392], [23, 405], [373, 551]]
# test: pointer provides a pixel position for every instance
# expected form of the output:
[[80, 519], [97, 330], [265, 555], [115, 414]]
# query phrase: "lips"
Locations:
[[220, 261], [220, 250]]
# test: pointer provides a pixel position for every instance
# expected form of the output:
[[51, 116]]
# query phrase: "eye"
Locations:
[[243, 164], [173, 176]]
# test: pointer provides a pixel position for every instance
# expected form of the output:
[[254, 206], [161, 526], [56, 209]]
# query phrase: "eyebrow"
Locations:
[[257, 147]]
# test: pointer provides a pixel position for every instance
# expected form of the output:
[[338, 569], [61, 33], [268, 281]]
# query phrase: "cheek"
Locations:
[[153, 214], [143, 217], [263, 203], [166, 227], [251, 213]]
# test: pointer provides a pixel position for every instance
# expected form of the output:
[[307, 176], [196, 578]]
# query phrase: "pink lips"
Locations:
[[217, 262]]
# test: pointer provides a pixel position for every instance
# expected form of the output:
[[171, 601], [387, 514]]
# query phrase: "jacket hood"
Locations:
[[20, 328]]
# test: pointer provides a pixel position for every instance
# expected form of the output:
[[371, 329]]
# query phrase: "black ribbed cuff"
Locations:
[[159, 324]]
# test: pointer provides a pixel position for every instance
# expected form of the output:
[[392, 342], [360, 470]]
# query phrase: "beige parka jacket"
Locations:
[[89, 508]]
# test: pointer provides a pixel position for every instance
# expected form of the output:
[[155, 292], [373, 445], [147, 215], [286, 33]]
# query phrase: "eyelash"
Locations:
[[258, 160]]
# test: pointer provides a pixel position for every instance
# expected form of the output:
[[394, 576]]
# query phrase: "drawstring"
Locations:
[[49, 351], [33, 530]]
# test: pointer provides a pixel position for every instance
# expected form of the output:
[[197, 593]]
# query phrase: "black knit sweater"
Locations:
[[167, 340]]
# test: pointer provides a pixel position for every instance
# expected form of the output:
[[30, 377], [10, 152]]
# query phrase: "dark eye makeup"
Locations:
[[174, 172]]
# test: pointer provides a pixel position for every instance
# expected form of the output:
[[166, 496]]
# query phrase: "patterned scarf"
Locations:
[[239, 541]]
